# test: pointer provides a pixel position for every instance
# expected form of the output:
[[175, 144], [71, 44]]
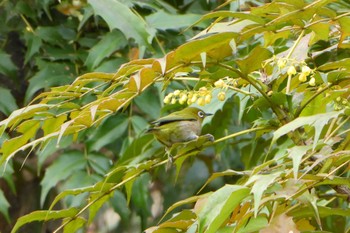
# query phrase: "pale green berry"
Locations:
[[177, 92], [302, 77], [166, 100], [306, 70], [221, 96], [281, 63], [220, 83], [207, 98], [200, 101], [312, 82], [183, 98], [194, 98], [291, 71]]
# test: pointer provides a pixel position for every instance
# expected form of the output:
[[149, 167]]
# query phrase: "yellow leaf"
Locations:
[[281, 223]]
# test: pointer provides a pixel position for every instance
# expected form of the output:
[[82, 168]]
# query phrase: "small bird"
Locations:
[[181, 126]]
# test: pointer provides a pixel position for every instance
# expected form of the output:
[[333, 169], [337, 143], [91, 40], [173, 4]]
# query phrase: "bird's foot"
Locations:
[[170, 161]]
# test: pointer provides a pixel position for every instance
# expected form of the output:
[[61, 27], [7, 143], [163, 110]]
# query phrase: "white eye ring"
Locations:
[[201, 114]]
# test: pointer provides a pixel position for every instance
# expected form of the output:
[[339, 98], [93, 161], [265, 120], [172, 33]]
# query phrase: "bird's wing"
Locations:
[[172, 118]]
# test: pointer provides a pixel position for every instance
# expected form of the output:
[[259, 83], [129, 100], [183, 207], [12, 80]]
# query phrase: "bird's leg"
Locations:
[[170, 158]]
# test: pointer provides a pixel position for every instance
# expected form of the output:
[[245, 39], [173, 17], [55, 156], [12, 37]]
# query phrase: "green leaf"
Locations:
[[231, 14], [254, 225], [16, 117], [7, 67], [44, 215], [7, 102], [98, 199], [56, 35], [118, 15], [311, 199], [219, 206], [296, 153], [140, 196], [320, 32], [181, 221], [340, 64], [65, 165], [224, 173], [111, 129], [164, 21], [97, 187], [254, 60], [235, 27], [34, 44], [74, 224], [109, 43], [54, 74], [28, 130], [306, 212], [189, 200], [4, 207], [120, 206], [261, 183], [317, 121], [192, 50]]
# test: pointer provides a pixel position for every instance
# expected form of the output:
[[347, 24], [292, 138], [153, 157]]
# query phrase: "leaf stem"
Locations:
[[279, 113], [241, 133], [295, 44], [336, 129], [301, 108]]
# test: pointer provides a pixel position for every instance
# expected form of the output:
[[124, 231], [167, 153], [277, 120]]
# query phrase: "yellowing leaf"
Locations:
[[28, 130], [134, 83], [281, 223], [53, 124], [147, 76]]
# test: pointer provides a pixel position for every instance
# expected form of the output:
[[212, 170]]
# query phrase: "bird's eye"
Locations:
[[201, 114]]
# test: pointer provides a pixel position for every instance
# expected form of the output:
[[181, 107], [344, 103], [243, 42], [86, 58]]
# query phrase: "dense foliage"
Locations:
[[276, 77]]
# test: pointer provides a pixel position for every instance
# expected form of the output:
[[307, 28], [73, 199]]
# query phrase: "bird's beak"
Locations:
[[208, 114]]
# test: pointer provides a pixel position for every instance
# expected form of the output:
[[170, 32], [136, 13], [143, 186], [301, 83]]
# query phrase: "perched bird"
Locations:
[[180, 126]]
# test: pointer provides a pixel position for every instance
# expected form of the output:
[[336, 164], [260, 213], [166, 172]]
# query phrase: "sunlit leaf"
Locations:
[[189, 200], [219, 206], [74, 224], [254, 60], [341, 64], [44, 215], [97, 200]]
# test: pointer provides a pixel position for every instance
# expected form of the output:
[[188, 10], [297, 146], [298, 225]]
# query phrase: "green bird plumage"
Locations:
[[180, 126]]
